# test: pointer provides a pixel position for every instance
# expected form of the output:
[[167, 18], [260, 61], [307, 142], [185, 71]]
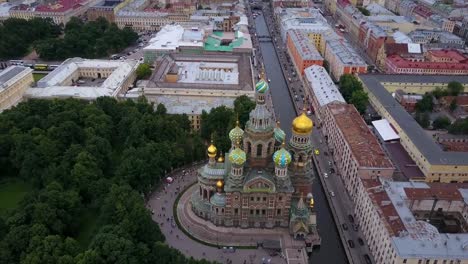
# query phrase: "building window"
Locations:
[[252, 212], [263, 212], [251, 199], [278, 211], [236, 211], [264, 199], [257, 212]]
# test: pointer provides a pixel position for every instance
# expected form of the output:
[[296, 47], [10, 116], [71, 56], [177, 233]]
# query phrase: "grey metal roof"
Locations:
[[423, 142], [9, 73]]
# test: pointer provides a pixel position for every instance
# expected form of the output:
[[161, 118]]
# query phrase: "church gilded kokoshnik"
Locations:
[[264, 182]]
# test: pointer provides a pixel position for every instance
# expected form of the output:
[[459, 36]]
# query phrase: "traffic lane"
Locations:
[[340, 201]]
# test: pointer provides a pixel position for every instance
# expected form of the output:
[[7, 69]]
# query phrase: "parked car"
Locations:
[[325, 175], [351, 243], [351, 218], [360, 241], [345, 226], [367, 258], [332, 194]]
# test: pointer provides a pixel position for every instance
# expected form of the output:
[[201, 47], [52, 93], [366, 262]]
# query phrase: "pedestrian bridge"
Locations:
[[264, 38]]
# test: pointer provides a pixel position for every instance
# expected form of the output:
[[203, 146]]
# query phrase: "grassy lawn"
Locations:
[[87, 227], [38, 76], [11, 193]]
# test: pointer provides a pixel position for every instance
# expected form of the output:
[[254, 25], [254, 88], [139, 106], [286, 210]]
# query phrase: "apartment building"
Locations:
[[355, 150], [302, 51]]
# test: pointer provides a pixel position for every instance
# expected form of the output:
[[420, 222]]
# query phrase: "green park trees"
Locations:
[[353, 92], [17, 35], [220, 120], [100, 158], [90, 40]]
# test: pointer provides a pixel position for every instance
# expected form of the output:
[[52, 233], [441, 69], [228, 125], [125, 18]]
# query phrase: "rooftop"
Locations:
[[322, 86], [400, 62], [454, 55], [227, 41], [403, 161], [345, 53], [304, 45], [58, 84], [11, 74], [171, 37], [218, 72], [421, 239], [364, 146], [192, 106], [423, 142], [60, 6]]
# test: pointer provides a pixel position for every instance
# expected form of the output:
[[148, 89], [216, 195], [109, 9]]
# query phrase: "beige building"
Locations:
[[190, 84], [149, 20], [394, 217], [355, 150], [437, 165], [14, 81]]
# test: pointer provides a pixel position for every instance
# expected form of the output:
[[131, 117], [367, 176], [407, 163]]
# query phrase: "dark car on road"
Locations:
[[367, 258], [351, 218], [351, 243], [360, 241], [345, 226]]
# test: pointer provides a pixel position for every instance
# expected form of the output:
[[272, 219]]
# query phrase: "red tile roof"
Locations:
[[452, 54], [386, 209], [400, 62], [60, 6], [441, 191]]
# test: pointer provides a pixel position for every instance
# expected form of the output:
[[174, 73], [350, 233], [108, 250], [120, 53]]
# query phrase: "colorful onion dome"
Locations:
[[278, 133], [237, 156], [236, 133], [212, 150], [282, 157], [219, 184], [261, 86], [302, 124]]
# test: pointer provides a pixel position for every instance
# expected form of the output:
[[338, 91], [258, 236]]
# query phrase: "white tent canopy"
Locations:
[[385, 130]]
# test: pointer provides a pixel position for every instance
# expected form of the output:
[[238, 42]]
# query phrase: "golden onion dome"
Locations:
[[219, 184], [221, 159], [212, 150], [302, 124]]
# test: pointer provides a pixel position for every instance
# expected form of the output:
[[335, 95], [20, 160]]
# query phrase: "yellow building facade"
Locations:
[[14, 81], [444, 169]]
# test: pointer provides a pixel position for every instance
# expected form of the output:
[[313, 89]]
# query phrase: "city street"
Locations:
[[339, 200], [331, 250]]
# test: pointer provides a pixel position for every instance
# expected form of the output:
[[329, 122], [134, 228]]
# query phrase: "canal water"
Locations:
[[331, 251]]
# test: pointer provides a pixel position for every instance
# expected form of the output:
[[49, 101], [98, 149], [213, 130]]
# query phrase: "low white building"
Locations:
[[86, 79]]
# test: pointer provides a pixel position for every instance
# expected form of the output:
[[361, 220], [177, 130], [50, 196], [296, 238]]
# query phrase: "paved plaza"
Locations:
[[161, 203]]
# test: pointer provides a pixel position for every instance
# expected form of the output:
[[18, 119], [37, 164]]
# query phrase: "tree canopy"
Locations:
[[441, 122], [353, 92], [425, 104], [454, 88], [100, 157], [217, 123], [92, 39], [143, 71], [18, 35]]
